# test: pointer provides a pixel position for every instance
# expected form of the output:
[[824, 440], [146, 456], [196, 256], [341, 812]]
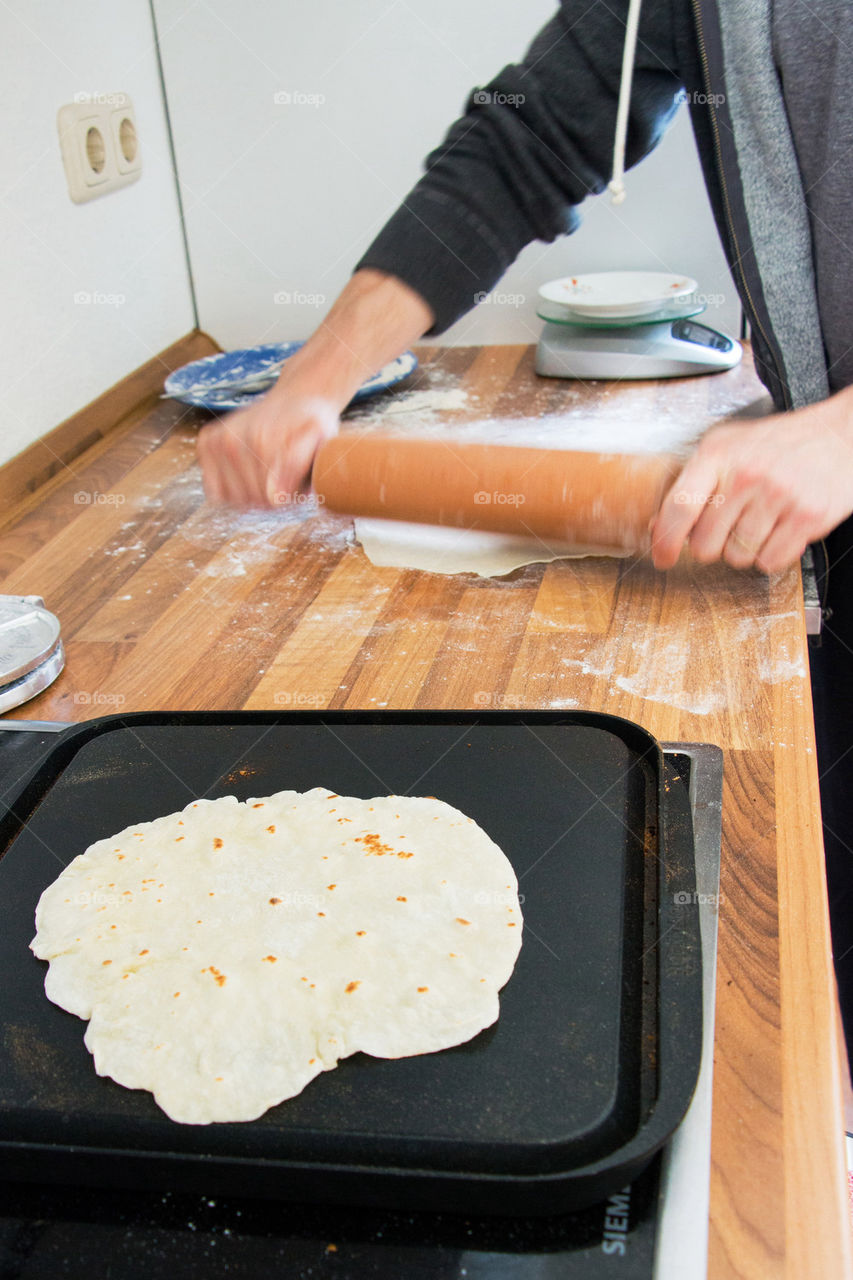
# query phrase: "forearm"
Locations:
[[374, 319], [262, 455], [531, 146]]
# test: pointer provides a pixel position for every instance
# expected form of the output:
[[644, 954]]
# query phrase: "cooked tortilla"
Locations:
[[228, 954]]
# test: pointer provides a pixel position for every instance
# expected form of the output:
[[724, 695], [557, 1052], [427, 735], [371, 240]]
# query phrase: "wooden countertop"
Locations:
[[168, 604]]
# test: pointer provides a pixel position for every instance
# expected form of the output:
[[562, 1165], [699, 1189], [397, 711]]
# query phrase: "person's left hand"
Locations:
[[756, 494]]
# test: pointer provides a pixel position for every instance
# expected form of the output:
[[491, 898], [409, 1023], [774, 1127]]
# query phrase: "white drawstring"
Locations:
[[616, 184]]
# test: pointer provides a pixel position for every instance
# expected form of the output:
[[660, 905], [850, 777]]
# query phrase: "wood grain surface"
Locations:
[[129, 400], [166, 603]]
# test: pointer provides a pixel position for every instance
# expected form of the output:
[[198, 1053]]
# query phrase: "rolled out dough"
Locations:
[[434, 549], [613, 428]]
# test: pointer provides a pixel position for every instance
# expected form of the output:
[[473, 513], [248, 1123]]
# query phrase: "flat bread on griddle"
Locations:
[[228, 954]]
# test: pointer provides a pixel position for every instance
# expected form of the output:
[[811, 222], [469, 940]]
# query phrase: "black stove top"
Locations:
[[49, 1231], [59, 1231]]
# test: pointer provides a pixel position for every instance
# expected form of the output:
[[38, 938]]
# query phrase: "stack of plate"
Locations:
[[233, 379], [31, 655], [617, 299]]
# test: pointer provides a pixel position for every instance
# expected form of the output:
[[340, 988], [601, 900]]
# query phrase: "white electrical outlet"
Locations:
[[99, 144]]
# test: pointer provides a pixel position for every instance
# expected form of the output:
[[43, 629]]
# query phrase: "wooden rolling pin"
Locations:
[[583, 499]]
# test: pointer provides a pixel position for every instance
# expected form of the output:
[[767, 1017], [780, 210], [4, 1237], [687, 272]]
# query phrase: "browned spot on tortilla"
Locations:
[[359, 933], [423, 988], [218, 978], [274, 902], [177, 838], [351, 986], [175, 996], [459, 920], [402, 899], [372, 844], [259, 805], [144, 952], [331, 886], [511, 924], [106, 962], [271, 829], [321, 913], [272, 959], [217, 843]]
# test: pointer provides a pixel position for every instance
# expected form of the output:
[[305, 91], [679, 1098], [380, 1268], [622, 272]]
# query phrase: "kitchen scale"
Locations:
[[31, 653], [627, 324]]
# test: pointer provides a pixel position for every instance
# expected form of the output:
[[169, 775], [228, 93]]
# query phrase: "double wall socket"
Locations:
[[99, 144]]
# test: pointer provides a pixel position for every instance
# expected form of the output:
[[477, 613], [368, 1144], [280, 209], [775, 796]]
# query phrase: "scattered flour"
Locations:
[[610, 433], [429, 401]]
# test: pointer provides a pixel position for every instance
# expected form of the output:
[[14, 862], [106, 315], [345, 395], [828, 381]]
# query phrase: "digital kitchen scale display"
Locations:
[[628, 324], [657, 349]]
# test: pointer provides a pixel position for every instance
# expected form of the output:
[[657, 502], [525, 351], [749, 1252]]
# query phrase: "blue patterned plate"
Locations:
[[232, 379]]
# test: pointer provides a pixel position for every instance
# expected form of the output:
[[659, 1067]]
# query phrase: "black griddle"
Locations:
[[595, 1056]]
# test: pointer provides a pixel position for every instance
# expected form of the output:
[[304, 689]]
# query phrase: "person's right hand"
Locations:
[[262, 455]]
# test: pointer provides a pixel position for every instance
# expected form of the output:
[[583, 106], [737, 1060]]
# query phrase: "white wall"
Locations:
[[280, 199], [283, 199], [56, 354]]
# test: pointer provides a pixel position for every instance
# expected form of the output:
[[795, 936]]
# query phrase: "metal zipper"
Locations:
[[771, 347]]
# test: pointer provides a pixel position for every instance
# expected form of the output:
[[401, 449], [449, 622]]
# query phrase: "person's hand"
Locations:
[[756, 494], [261, 455]]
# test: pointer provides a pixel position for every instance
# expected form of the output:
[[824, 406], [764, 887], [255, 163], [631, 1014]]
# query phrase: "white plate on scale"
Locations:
[[617, 294]]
